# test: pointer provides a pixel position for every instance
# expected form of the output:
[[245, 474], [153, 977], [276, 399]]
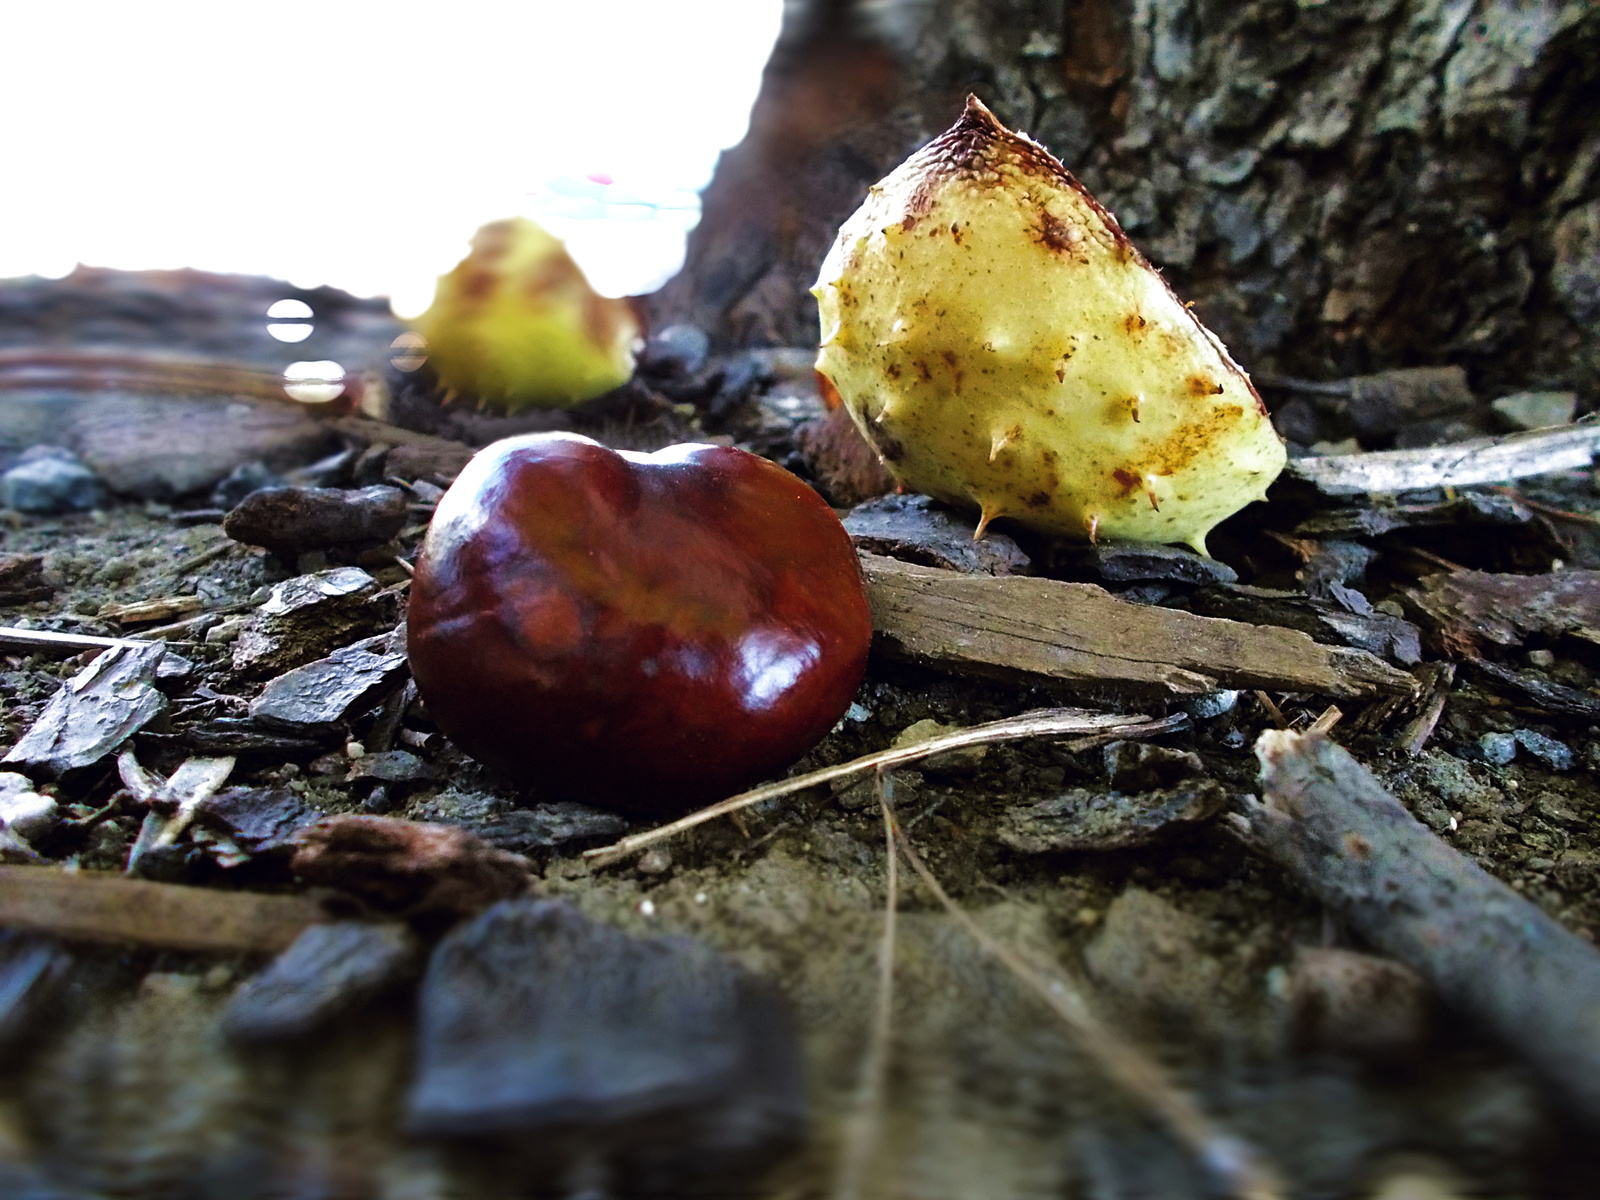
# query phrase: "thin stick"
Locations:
[[1273, 710], [1041, 722], [866, 1123], [1330, 717], [1229, 1159], [61, 643], [1420, 728]]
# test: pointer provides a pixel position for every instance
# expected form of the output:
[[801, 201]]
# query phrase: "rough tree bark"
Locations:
[[1340, 185]]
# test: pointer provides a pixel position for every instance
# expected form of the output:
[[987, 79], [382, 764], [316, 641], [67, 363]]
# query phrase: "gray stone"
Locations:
[[390, 766], [1358, 1004], [50, 483], [1497, 748], [1553, 754], [242, 481], [1141, 766], [1536, 410], [329, 970], [1212, 704]]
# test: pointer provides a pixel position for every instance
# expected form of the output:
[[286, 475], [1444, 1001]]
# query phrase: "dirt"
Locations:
[[1187, 947]]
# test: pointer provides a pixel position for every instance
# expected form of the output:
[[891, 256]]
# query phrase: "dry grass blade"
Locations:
[[1227, 1158], [1041, 722], [866, 1122]]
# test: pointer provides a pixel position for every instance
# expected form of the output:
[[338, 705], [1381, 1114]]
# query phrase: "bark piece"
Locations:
[[916, 529], [1382, 404], [289, 520], [847, 470], [318, 696], [1485, 950], [1472, 509], [1468, 608], [1377, 633], [88, 906], [329, 970], [546, 825], [94, 712], [1142, 766], [1480, 460], [243, 735], [1536, 690], [22, 579], [1081, 819], [407, 866], [1041, 630], [535, 1022], [305, 617]]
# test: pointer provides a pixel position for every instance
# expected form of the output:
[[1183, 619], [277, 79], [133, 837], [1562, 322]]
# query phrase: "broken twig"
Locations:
[[1480, 460], [1486, 950]]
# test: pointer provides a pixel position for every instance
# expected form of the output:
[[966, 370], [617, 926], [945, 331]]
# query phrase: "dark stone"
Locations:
[[93, 713], [391, 766], [289, 520], [555, 1033], [916, 529], [1127, 562], [329, 970], [256, 820], [22, 579], [33, 971], [546, 825], [407, 866], [320, 695]]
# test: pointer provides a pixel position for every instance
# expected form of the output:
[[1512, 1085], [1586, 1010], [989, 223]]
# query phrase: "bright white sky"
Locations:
[[359, 143]]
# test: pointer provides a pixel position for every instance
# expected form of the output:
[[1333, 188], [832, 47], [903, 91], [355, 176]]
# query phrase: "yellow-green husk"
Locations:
[[1004, 347]]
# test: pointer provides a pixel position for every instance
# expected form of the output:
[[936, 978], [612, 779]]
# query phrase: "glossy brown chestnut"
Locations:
[[642, 631]]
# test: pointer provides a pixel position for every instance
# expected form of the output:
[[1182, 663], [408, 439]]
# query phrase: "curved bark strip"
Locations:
[[1486, 950], [1340, 187]]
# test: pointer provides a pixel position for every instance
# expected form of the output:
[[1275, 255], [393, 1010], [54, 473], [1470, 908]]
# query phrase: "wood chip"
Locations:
[[1479, 460], [1078, 634], [89, 906], [1468, 608], [143, 612]]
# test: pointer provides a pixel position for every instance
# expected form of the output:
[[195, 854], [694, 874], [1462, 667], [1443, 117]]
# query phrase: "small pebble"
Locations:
[[1212, 704], [291, 520], [1543, 659], [354, 750], [28, 813], [655, 861], [1497, 748]]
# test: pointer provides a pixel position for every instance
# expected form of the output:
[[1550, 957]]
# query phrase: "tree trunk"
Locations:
[[1339, 185]]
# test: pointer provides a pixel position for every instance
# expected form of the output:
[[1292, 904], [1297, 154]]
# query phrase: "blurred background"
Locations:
[[358, 145]]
